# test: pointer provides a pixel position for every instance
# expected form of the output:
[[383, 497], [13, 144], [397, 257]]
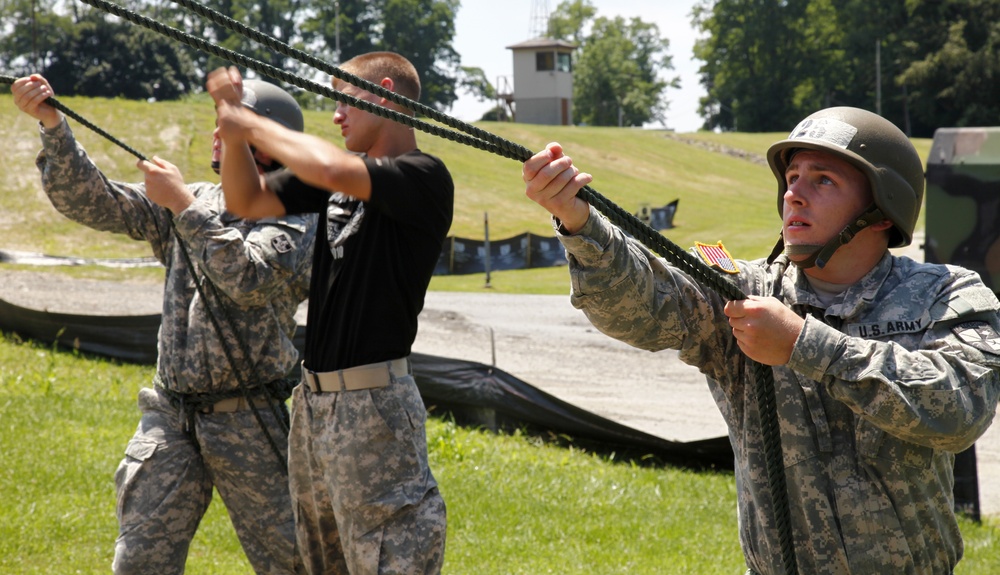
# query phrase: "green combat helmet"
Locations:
[[963, 201], [875, 146], [272, 102]]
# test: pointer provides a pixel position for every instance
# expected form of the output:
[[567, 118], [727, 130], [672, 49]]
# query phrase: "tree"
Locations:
[[570, 19], [88, 53], [754, 55], [473, 80], [28, 29], [420, 30], [276, 18], [920, 63], [952, 72], [101, 57], [617, 71]]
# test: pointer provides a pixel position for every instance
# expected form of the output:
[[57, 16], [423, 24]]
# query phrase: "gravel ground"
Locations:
[[540, 339]]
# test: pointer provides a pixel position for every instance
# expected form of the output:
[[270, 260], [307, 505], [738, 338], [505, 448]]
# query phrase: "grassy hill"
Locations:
[[725, 190]]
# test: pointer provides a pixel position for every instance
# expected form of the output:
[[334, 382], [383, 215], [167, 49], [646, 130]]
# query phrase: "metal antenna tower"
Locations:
[[539, 19]]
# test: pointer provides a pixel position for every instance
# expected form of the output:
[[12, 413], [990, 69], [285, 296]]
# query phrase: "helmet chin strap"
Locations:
[[275, 164], [819, 255]]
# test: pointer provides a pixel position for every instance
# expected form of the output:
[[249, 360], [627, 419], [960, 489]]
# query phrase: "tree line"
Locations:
[[83, 51], [923, 64], [766, 64]]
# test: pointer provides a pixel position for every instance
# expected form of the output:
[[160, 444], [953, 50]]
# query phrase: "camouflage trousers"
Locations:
[[365, 500], [165, 483]]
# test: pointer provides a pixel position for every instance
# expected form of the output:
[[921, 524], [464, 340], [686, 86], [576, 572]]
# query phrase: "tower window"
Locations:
[[545, 61]]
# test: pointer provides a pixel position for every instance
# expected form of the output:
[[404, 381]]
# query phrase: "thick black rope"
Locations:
[[265, 69], [484, 140], [285, 50], [244, 385]]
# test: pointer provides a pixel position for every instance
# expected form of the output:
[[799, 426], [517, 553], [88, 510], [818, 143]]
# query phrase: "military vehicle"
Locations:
[[962, 217]]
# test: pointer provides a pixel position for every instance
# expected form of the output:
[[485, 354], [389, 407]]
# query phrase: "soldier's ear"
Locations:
[[882, 225]]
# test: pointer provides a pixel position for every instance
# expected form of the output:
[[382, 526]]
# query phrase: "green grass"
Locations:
[[516, 505]]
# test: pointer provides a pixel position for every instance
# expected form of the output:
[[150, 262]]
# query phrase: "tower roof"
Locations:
[[542, 43]]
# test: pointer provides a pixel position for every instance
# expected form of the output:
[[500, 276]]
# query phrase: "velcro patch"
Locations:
[[717, 257], [282, 244], [826, 130], [979, 335]]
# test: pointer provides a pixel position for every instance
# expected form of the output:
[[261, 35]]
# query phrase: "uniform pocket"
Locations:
[[381, 457], [137, 452]]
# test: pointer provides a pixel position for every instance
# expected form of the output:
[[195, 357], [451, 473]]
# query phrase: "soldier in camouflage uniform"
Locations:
[[198, 430], [365, 499], [883, 367]]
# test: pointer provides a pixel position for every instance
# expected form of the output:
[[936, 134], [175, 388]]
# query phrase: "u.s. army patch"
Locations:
[[979, 335], [281, 244], [717, 257]]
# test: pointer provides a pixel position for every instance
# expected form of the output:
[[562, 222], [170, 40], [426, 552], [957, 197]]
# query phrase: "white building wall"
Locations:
[[540, 97]]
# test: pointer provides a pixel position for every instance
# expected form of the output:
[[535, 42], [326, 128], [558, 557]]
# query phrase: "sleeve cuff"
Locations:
[[53, 139], [588, 244], [815, 349], [192, 219]]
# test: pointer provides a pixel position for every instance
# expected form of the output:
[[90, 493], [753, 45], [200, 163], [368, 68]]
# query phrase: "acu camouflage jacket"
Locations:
[[260, 269], [882, 388]]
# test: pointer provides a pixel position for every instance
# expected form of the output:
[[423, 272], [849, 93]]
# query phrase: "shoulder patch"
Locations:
[[717, 257], [281, 244], [979, 335]]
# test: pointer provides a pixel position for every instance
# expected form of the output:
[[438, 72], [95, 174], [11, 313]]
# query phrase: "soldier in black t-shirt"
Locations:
[[365, 499]]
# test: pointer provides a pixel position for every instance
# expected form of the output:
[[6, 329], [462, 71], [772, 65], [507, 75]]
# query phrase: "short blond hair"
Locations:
[[374, 66]]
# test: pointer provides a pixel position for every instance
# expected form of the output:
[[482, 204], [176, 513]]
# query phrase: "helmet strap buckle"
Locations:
[[819, 255], [872, 215]]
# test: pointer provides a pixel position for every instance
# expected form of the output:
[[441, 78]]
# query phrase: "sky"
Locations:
[[484, 29]]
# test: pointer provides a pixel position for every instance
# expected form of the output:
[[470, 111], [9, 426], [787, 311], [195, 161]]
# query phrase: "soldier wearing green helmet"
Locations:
[[884, 368], [880, 151], [206, 423]]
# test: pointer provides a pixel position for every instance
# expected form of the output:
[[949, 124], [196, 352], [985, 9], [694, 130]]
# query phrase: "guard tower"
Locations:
[[543, 81]]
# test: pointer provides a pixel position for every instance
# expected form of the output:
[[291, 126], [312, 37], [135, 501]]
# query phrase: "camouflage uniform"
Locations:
[[178, 454], [883, 387]]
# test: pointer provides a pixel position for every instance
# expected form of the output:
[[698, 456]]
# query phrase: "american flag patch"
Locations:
[[717, 257]]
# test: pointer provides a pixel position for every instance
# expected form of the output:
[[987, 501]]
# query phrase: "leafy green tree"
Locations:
[[952, 73], [420, 30], [474, 81], [101, 57], [753, 55], [570, 19], [279, 19], [423, 30], [920, 63], [616, 79], [28, 32], [863, 58]]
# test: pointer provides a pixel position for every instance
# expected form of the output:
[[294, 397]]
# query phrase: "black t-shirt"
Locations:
[[373, 260]]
